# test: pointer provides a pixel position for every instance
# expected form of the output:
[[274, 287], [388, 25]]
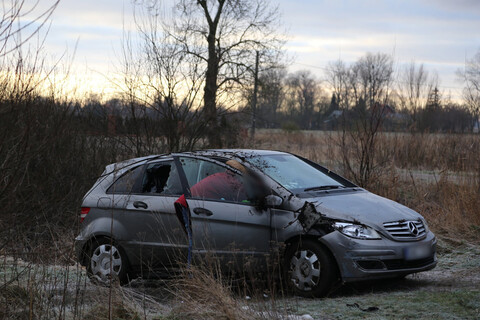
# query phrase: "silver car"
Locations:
[[260, 209]]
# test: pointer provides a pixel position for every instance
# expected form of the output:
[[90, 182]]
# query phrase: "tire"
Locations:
[[107, 263], [310, 270], [401, 277]]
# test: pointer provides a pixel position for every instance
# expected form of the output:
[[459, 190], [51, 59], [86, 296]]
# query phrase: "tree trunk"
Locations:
[[210, 97], [211, 86]]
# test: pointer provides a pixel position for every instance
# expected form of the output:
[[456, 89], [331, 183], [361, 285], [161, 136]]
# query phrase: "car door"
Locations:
[[225, 220], [151, 218]]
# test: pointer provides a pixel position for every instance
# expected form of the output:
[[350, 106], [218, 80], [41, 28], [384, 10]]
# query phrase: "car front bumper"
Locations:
[[375, 259]]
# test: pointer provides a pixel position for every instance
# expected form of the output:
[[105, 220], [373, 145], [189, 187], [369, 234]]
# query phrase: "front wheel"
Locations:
[[310, 270], [107, 263]]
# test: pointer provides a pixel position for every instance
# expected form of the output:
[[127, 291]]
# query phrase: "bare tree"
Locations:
[[14, 32], [371, 87], [470, 76], [373, 78], [18, 79], [369, 80], [224, 35], [363, 91], [413, 88], [302, 96], [22, 70], [161, 84], [271, 95], [338, 77]]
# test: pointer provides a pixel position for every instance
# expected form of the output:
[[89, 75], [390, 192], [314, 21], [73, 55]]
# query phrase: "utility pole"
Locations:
[[254, 101]]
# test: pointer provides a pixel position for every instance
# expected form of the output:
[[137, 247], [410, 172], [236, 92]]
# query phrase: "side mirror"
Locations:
[[273, 201]]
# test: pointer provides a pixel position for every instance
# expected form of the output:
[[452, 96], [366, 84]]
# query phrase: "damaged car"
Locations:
[[271, 207]]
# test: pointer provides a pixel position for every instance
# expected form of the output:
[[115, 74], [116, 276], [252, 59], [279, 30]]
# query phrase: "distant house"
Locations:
[[389, 110], [382, 109], [399, 117], [334, 115]]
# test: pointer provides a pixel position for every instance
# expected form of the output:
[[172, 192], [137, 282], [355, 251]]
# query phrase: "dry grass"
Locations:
[[450, 208], [63, 291], [454, 152], [201, 293]]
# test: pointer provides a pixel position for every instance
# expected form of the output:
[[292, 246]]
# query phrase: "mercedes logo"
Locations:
[[413, 228]]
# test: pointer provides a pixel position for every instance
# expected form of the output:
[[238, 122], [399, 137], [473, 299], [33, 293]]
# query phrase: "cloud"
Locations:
[[436, 32]]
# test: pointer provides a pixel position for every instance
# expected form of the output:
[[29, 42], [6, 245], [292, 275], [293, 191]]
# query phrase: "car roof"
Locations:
[[238, 153], [235, 152]]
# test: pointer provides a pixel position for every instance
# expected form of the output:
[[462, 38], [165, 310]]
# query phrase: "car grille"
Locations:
[[405, 230]]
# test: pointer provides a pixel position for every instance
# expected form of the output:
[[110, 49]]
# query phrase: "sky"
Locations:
[[438, 33]]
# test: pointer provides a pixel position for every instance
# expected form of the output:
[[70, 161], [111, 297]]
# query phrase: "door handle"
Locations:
[[202, 212], [140, 204]]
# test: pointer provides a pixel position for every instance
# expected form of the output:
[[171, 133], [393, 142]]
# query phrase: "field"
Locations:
[[437, 175]]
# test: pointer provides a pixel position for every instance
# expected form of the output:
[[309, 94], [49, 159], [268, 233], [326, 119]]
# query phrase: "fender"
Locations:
[[99, 226]]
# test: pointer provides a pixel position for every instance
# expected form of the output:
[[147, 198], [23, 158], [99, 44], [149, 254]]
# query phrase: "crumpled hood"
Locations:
[[363, 206]]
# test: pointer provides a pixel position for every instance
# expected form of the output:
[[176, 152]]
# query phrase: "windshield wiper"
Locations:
[[326, 187]]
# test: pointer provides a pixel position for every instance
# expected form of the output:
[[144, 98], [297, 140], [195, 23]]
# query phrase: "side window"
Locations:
[[208, 180], [125, 183], [161, 178], [196, 170]]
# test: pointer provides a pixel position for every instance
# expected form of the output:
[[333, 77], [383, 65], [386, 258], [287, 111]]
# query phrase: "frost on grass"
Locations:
[[34, 291], [65, 292]]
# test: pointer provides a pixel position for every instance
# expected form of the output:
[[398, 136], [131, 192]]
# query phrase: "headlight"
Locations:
[[356, 231]]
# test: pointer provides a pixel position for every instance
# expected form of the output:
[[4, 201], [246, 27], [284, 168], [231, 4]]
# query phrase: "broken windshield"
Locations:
[[293, 173]]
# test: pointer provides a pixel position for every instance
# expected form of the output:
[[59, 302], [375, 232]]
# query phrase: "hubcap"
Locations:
[[106, 262], [305, 270]]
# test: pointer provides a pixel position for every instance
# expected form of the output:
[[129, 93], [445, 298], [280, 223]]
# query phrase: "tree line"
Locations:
[[410, 99]]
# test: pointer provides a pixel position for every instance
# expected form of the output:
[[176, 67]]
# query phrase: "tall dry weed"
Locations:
[[201, 293]]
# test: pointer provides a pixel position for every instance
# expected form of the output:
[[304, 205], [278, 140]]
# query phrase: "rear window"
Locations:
[[161, 178]]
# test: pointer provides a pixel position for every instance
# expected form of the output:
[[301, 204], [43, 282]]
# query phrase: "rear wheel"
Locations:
[[310, 270], [107, 263]]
